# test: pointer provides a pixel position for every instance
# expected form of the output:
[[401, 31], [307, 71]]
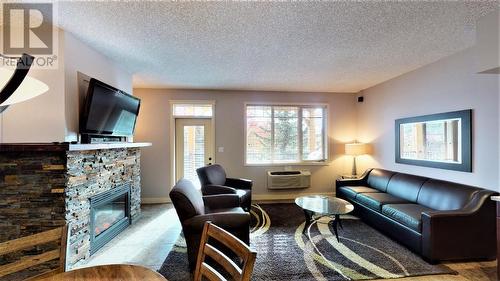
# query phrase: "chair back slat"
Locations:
[[28, 262], [247, 256], [63, 244], [30, 241], [248, 269], [210, 273], [224, 261], [44, 275], [228, 239], [58, 234]]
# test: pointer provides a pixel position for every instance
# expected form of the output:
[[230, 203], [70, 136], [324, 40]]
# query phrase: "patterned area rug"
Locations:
[[284, 253]]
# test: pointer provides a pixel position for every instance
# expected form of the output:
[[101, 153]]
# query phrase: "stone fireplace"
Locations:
[[90, 174], [43, 186]]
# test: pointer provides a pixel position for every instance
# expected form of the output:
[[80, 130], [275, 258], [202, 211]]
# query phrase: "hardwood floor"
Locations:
[[161, 227]]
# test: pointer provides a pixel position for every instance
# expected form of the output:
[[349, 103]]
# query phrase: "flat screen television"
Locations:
[[108, 111]]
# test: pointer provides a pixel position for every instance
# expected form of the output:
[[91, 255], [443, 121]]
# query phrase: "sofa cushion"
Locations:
[[443, 195], [375, 201], [405, 186], [351, 191], [379, 179], [406, 214]]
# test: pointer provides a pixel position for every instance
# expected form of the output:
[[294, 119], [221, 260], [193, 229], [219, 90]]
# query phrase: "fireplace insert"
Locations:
[[109, 215]]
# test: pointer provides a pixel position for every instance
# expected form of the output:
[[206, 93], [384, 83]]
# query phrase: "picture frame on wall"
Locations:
[[442, 140]]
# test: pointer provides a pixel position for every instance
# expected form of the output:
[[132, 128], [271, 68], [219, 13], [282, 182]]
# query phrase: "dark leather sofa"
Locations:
[[437, 219], [194, 210], [214, 181]]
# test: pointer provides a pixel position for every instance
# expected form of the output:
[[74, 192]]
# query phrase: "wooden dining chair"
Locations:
[[55, 235], [245, 254]]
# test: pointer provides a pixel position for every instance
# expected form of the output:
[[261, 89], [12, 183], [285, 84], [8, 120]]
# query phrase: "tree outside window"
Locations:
[[285, 134]]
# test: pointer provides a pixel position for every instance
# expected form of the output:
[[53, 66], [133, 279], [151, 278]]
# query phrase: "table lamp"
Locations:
[[355, 149], [16, 86]]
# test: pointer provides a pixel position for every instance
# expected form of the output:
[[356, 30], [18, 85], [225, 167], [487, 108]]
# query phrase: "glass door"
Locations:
[[193, 147]]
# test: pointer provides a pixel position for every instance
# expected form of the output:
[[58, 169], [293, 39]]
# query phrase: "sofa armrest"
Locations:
[[349, 182], [213, 189], [239, 183], [470, 231], [221, 201], [474, 206], [440, 215], [225, 220], [353, 182]]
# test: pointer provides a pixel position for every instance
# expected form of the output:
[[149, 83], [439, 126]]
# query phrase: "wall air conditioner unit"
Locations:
[[288, 179]]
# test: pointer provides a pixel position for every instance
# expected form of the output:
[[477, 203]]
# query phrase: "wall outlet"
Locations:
[[220, 149]]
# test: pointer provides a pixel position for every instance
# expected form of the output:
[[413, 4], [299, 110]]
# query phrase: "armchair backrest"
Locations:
[[187, 200], [212, 174]]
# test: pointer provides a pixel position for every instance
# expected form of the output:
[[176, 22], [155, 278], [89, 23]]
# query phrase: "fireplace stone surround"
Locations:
[[43, 186]]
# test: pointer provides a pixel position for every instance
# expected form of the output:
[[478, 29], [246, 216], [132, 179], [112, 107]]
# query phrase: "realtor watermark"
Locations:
[[29, 28]]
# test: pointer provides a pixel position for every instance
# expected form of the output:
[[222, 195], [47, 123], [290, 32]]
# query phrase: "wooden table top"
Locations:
[[114, 272]]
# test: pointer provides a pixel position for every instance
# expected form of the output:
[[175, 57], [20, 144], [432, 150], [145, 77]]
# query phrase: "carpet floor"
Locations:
[[284, 253]]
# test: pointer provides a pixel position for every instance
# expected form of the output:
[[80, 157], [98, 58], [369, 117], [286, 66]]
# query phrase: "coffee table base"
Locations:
[[335, 222]]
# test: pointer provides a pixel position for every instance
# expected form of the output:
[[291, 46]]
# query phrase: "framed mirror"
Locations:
[[441, 140]]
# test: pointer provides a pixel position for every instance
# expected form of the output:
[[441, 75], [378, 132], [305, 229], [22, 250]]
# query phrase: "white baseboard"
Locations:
[[289, 196], [155, 200]]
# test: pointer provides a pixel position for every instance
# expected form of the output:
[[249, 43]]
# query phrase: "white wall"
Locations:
[[53, 116], [81, 58], [446, 85], [154, 126]]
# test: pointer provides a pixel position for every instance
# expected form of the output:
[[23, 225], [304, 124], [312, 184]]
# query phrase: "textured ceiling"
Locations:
[[342, 46]]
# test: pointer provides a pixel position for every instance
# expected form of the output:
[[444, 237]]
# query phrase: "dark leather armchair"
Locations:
[[214, 181], [194, 210]]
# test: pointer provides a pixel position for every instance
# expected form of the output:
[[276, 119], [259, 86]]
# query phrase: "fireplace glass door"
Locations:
[[109, 215]]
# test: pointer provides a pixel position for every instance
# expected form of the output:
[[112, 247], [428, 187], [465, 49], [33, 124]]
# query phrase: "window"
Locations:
[[192, 110], [281, 134]]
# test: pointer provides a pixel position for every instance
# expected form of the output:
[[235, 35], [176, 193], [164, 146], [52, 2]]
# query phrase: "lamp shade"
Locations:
[[355, 149], [16, 87], [29, 88]]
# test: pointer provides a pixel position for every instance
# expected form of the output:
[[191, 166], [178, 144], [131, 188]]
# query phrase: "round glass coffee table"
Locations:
[[323, 206]]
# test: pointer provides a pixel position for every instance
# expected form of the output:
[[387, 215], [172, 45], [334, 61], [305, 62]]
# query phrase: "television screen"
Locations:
[[108, 111]]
